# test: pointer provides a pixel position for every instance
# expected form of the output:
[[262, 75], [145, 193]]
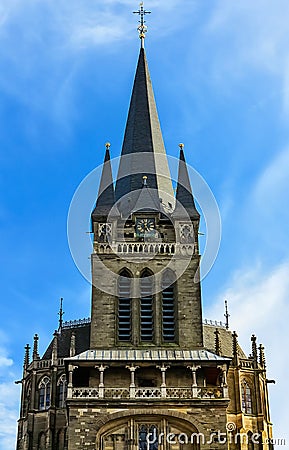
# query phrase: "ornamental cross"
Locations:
[[142, 28]]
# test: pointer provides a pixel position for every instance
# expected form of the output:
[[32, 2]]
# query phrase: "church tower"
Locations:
[[145, 372]]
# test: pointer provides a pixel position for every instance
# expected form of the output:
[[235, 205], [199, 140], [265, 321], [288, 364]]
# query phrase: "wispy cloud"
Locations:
[[251, 36], [258, 301], [9, 398]]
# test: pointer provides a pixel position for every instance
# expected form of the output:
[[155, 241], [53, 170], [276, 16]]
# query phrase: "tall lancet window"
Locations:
[[168, 307], [44, 393], [124, 306], [246, 398], [146, 307]]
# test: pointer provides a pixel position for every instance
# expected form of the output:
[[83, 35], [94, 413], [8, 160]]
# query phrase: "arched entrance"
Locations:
[[148, 432]]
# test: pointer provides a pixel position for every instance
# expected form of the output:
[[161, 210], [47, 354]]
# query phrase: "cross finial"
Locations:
[[142, 28], [61, 314]]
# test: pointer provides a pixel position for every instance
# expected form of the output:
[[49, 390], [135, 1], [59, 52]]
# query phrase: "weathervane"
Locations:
[[142, 28]]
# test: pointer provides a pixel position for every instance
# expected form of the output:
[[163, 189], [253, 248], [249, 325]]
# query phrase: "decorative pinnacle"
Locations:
[[27, 356], [254, 348], [35, 354], [227, 315], [262, 359], [61, 314], [107, 145], [181, 146], [142, 28], [144, 180], [217, 342], [235, 347]]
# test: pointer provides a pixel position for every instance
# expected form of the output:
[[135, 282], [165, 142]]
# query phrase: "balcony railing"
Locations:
[[148, 393], [145, 248]]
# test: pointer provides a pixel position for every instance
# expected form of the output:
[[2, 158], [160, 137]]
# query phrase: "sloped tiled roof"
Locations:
[[225, 337], [82, 337], [148, 355]]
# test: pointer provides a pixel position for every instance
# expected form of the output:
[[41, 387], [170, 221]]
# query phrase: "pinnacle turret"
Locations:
[[184, 195], [106, 197]]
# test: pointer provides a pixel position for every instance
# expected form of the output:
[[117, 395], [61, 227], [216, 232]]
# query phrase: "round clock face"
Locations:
[[145, 225]]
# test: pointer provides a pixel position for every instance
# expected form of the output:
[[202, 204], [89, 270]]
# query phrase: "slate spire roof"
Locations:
[[143, 150], [184, 195], [106, 196]]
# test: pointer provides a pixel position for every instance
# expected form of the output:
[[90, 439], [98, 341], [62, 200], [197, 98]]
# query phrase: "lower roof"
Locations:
[[148, 355]]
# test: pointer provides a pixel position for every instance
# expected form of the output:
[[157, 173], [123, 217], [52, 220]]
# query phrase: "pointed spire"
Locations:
[[26, 356], [184, 195], [143, 147], [106, 197], [35, 354], [235, 348], [72, 345], [218, 349], [227, 315], [254, 349], [61, 314], [262, 359]]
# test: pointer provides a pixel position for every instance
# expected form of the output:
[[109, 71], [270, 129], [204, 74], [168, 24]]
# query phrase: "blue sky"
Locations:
[[220, 72]]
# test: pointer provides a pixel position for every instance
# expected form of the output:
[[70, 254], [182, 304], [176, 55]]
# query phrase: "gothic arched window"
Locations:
[[61, 391], [146, 307], [168, 308], [246, 398], [124, 306], [44, 393]]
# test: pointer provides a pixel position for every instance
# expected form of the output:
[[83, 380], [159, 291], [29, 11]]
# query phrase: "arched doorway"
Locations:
[[148, 432]]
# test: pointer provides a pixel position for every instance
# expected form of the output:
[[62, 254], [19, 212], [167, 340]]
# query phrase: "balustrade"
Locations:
[[149, 393], [145, 248]]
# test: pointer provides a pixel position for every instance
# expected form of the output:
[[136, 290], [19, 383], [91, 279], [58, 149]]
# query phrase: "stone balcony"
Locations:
[[149, 393], [146, 248]]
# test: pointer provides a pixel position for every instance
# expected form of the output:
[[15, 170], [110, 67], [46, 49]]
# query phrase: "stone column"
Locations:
[[224, 384], [101, 369], [71, 369], [163, 369], [194, 369], [132, 370]]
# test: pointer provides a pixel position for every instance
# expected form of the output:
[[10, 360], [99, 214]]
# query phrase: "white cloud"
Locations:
[[251, 36], [9, 399], [273, 183], [258, 301]]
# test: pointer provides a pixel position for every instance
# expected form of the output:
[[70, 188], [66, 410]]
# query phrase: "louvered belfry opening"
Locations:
[[146, 308], [124, 307], [168, 309]]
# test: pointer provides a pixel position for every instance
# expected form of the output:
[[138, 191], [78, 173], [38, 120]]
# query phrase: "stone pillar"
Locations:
[[71, 369], [132, 370], [163, 369], [224, 383], [101, 369], [194, 369]]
